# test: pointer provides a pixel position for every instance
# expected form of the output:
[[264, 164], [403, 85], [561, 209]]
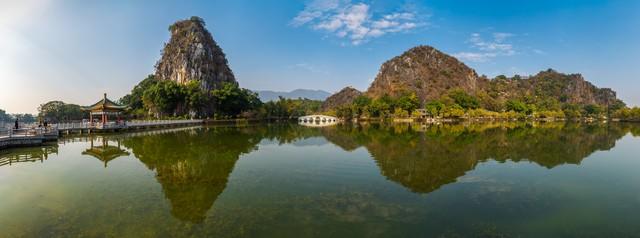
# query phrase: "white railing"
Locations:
[[161, 122], [72, 125], [25, 132], [109, 125]]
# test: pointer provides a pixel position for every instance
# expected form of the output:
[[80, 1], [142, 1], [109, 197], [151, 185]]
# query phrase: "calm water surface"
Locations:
[[486, 180]]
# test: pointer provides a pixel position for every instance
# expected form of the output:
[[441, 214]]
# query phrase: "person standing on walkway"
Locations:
[[16, 126]]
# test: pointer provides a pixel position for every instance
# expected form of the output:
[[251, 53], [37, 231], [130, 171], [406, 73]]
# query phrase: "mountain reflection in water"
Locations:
[[423, 159], [193, 165]]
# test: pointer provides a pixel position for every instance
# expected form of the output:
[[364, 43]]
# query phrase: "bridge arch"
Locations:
[[317, 120]]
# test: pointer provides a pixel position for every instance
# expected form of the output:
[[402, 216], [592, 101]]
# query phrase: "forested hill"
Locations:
[[424, 75]]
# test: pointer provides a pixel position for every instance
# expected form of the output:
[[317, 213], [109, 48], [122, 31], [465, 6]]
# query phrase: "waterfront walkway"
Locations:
[[88, 127], [35, 136]]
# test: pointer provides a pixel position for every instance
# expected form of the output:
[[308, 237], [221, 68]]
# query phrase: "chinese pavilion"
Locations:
[[104, 108]]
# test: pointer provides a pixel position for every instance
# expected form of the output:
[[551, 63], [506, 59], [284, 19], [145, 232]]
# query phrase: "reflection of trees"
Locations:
[[425, 158], [285, 133], [193, 166]]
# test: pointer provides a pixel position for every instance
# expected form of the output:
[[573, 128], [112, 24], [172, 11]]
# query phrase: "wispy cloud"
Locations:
[[539, 51], [485, 50], [309, 67], [354, 21]]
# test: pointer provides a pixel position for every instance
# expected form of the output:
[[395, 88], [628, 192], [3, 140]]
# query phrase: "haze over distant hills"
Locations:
[[268, 95]]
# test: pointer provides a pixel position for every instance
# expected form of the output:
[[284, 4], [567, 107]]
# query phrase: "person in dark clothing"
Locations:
[[16, 124], [45, 123]]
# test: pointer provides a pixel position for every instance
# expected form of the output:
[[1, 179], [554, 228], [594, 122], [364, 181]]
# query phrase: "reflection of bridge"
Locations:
[[317, 120], [27, 155]]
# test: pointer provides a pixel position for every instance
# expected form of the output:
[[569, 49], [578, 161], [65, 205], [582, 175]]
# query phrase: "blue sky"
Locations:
[[76, 50]]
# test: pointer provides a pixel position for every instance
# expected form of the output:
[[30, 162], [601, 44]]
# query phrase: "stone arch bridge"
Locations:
[[317, 119]]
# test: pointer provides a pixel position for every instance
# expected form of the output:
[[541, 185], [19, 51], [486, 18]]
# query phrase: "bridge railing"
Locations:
[[24, 132], [160, 122], [109, 125]]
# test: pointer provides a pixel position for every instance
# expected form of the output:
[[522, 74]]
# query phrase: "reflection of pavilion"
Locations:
[[105, 152]]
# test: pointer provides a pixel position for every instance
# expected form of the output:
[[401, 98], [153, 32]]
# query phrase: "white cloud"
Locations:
[[353, 21], [540, 52], [485, 50], [309, 67], [474, 56]]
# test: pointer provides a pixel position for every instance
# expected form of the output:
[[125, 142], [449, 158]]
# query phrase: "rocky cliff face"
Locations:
[[345, 96], [550, 84], [423, 70], [569, 88], [192, 54], [430, 73]]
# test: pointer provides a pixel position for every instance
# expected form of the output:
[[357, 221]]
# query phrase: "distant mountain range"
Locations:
[[267, 95]]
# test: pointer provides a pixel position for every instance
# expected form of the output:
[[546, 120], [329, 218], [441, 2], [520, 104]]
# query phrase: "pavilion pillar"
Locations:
[[91, 118]]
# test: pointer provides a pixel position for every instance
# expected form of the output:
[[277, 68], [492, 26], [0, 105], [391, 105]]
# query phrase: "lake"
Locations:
[[365, 180]]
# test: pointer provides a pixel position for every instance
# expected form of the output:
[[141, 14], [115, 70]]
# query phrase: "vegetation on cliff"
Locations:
[[628, 114], [192, 55], [425, 78], [193, 79], [341, 98], [163, 98], [425, 71]]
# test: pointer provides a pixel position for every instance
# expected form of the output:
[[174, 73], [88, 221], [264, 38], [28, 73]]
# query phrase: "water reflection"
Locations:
[[30, 154], [193, 165], [103, 151], [423, 159]]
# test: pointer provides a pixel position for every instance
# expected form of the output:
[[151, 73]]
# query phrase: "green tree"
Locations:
[[196, 98], [592, 110], [4, 116], [408, 102], [163, 98], [134, 99], [231, 100], [463, 99], [26, 118], [361, 105], [380, 107], [58, 111], [516, 106], [572, 110], [434, 108], [344, 112], [453, 111]]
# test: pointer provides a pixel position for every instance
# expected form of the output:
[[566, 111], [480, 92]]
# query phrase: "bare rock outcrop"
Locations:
[[345, 96], [192, 54], [423, 70]]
